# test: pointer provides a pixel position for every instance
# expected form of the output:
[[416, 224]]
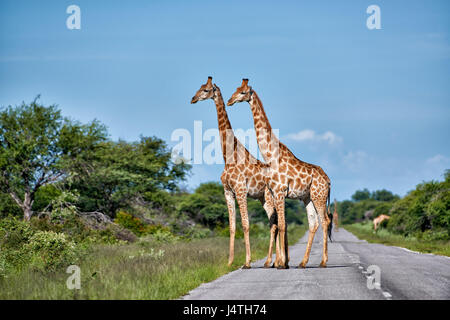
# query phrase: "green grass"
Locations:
[[134, 271], [365, 231]]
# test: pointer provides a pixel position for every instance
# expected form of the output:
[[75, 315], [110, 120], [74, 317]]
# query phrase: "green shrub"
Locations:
[[154, 228], [14, 232], [50, 250], [165, 236], [160, 199], [131, 223], [197, 232], [438, 210], [382, 208], [206, 206]]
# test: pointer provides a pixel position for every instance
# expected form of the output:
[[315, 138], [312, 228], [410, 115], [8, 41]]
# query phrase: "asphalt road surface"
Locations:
[[350, 274]]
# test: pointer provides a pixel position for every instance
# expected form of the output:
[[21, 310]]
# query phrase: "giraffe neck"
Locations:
[[227, 138], [268, 143], [222, 116]]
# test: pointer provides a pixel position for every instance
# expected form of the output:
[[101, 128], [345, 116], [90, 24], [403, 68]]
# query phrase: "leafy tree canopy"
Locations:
[[38, 147]]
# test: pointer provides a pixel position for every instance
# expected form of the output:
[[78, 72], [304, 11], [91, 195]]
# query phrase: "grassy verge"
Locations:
[[142, 270], [365, 231]]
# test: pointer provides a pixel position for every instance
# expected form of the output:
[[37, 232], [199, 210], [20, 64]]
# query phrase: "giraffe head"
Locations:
[[242, 93], [206, 91]]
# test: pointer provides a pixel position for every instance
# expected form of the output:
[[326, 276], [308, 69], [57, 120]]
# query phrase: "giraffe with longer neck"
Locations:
[[289, 177], [242, 176]]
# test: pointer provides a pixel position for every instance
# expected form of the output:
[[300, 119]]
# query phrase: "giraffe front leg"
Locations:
[[242, 202], [229, 197], [283, 263]]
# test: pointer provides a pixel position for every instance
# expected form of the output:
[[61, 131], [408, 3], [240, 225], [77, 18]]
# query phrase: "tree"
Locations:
[[206, 205], [38, 147], [122, 171], [360, 195], [384, 195]]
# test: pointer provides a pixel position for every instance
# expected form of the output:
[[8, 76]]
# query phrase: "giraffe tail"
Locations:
[[330, 216]]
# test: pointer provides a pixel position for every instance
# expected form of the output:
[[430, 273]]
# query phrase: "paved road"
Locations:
[[404, 275]]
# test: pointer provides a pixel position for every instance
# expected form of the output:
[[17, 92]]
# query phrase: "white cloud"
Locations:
[[311, 136], [438, 160]]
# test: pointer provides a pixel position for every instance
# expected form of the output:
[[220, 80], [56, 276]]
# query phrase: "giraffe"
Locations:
[[289, 177], [242, 176], [378, 220], [335, 216]]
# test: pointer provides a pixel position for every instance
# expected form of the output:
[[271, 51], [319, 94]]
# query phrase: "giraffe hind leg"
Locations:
[[313, 226], [325, 222], [279, 200], [268, 205]]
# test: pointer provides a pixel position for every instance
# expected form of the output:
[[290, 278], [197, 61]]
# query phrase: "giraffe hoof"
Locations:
[[246, 266], [323, 265], [267, 264], [302, 265], [283, 267]]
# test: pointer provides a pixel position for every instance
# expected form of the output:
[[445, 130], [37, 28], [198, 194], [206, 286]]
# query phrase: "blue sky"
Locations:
[[370, 106]]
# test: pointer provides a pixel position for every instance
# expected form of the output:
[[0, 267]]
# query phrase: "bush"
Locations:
[[382, 208], [165, 236], [438, 211], [160, 199], [155, 228], [115, 233], [197, 232], [14, 233], [424, 210], [22, 246], [139, 228], [50, 250], [131, 223], [206, 205]]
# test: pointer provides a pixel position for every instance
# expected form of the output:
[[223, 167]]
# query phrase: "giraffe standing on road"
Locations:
[[335, 217], [289, 177], [242, 176]]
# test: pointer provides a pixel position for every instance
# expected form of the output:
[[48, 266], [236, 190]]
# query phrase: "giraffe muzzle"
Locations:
[[194, 99]]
